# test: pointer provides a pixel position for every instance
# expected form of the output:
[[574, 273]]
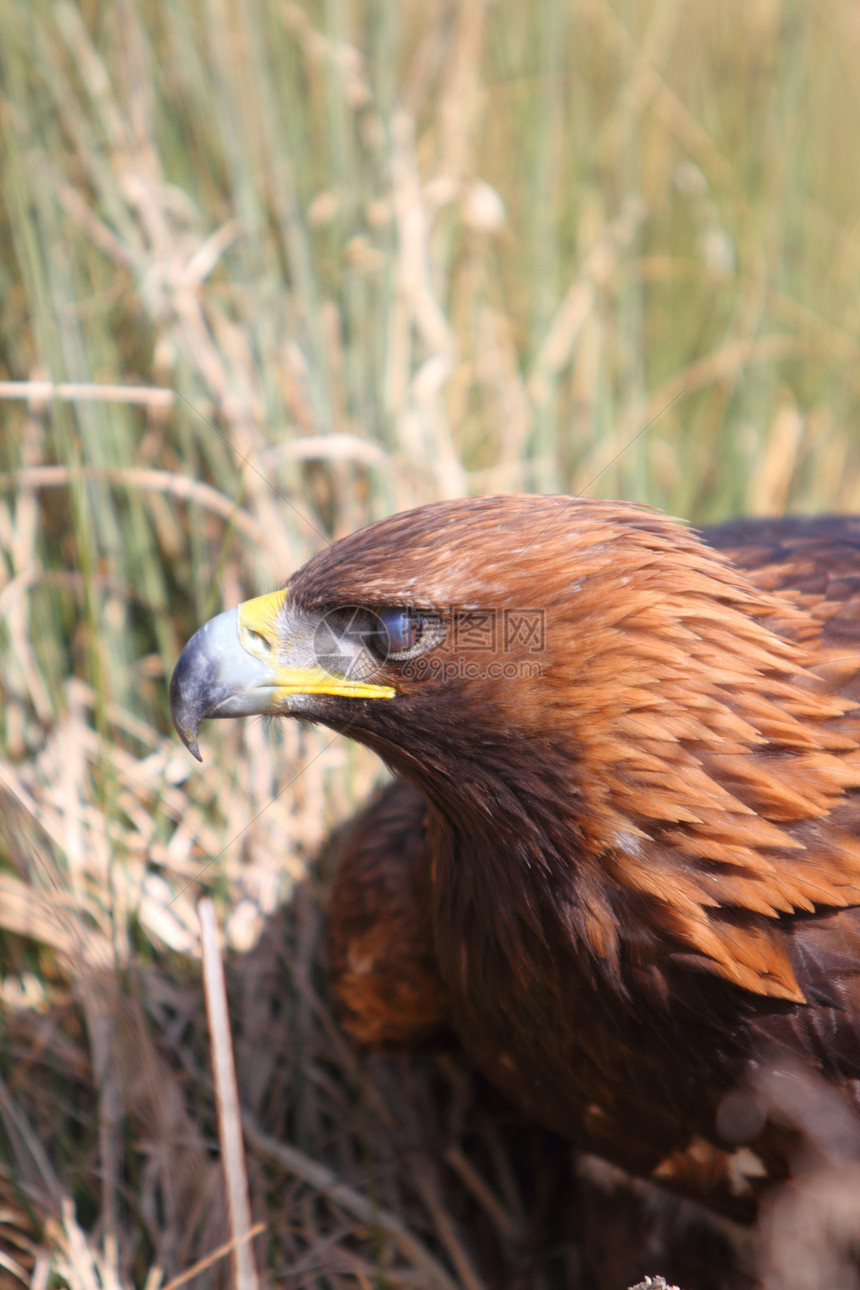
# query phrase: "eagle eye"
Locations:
[[397, 632]]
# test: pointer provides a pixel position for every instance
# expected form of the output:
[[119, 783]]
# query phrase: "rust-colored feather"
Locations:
[[381, 946], [623, 879]]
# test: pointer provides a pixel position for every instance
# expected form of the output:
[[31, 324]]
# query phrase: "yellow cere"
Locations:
[[257, 622], [316, 680], [260, 616]]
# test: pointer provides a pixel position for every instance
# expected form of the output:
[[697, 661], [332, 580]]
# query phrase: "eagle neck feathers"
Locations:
[[687, 769]]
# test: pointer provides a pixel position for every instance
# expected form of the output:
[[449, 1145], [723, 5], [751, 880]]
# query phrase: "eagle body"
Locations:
[[621, 860]]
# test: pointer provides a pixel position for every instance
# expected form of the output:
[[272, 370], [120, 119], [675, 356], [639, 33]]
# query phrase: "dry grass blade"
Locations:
[[227, 1096], [451, 1238], [32, 1166], [42, 391], [220, 1253], [504, 1221], [326, 1182], [179, 486]]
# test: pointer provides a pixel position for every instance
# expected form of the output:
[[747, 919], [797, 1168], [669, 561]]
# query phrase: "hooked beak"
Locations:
[[252, 660]]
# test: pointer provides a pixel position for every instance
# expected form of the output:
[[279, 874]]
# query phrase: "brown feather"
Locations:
[[383, 962], [624, 879]]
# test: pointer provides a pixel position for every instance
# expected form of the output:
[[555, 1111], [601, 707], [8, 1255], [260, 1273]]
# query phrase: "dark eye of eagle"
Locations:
[[398, 633]]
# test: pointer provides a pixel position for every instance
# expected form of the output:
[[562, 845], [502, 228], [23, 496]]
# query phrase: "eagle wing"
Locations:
[[384, 970], [384, 966], [817, 563]]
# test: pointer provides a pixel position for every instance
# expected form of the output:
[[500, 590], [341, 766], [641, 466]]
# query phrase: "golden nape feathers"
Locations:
[[621, 861]]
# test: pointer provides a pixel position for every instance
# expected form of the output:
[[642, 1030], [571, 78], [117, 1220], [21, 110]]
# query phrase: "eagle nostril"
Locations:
[[261, 643]]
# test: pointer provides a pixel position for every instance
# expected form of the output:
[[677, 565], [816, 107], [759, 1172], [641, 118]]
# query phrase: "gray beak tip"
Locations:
[[188, 737], [187, 698]]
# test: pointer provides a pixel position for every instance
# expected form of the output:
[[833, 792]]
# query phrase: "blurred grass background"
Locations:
[[268, 271]]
